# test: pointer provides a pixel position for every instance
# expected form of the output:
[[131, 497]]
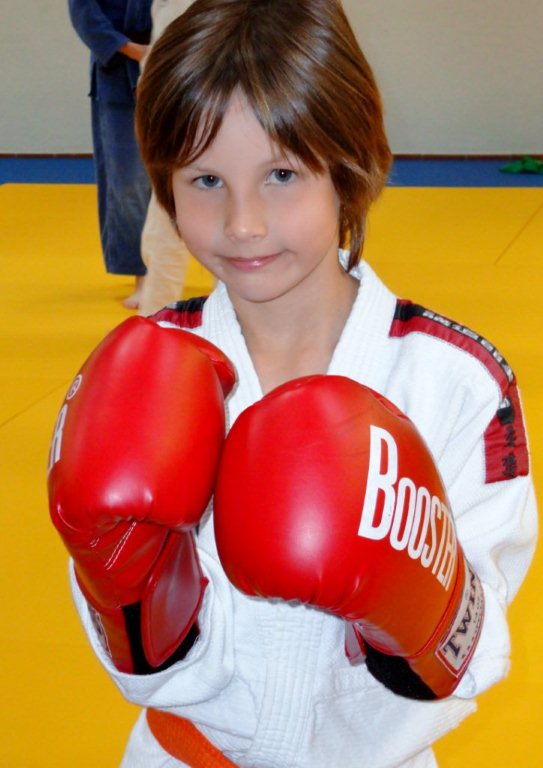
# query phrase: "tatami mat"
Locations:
[[473, 254]]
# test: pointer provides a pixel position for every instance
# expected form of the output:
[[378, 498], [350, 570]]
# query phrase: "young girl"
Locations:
[[270, 633]]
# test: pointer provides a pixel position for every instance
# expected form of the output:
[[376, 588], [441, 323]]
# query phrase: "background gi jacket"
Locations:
[[105, 27]]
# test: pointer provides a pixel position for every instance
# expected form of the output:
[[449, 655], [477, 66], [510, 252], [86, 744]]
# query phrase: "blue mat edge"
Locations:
[[406, 172]]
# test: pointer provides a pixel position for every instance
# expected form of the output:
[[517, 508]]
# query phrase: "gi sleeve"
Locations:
[[493, 501], [95, 29]]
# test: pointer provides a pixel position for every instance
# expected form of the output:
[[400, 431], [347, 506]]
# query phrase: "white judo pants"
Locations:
[[165, 256]]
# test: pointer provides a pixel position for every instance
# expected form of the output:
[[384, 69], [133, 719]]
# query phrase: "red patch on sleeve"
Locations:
[[506, 445], [184, 314]]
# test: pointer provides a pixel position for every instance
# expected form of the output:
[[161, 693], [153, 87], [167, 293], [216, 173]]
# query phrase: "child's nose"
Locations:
[[245, 218]]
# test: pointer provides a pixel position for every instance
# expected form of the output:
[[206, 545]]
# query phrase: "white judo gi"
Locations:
[[268, 682]]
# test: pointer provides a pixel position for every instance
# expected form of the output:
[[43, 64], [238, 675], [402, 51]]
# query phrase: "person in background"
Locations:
[[163, 251], [117, 33]]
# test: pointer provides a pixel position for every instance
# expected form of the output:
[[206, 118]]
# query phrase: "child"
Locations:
[[324, 613]]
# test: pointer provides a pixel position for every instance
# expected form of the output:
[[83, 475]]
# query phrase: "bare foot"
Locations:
[[133, 301]]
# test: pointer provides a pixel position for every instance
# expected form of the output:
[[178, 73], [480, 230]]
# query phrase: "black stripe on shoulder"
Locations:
[[506, 444], [410, 318]]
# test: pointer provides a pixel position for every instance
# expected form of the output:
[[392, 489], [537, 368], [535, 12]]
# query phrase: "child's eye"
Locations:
[[208, 182], [281, 176]]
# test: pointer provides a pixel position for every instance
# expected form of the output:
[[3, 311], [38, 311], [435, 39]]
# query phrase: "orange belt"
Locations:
[[182, 740]]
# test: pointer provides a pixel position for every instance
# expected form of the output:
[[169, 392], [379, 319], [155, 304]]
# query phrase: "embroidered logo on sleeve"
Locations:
[[506, 449]]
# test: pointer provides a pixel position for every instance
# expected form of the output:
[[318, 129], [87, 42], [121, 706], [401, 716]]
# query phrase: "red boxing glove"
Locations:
[[328, 495], [133, 463]]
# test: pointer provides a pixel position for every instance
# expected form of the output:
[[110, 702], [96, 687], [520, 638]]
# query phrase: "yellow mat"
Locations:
[[474, 254]]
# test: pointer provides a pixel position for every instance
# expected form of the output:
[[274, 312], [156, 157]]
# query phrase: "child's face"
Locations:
[[263, 224]]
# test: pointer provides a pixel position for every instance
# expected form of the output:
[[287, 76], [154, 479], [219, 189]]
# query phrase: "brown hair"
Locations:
[[301, 69]]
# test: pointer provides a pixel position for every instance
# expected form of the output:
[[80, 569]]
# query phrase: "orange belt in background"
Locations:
[[182, 740]]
